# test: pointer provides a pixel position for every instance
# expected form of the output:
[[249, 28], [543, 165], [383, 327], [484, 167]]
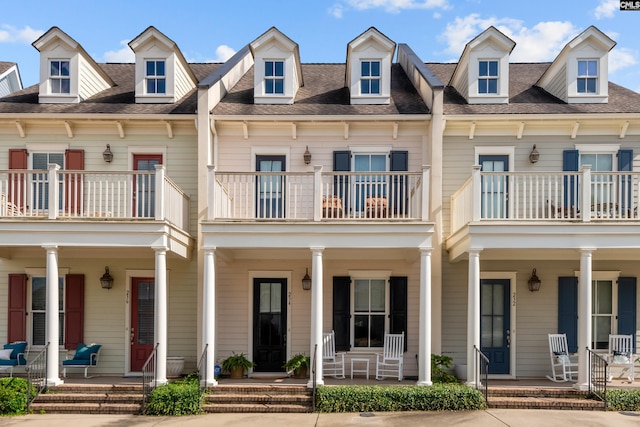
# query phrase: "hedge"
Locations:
[[177, 398], [13, 396], [623, 399]]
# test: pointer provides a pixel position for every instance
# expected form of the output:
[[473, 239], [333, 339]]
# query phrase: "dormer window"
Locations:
[[156, 77], [274, 77], [370, 77], [487, 77], [59, 76], [587, 76]]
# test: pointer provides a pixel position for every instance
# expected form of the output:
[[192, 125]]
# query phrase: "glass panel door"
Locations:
[[270, 188], [494, 187], [269, 324], [602, 313], [366, 185], [495, 339], [142, 321], [144, 191]]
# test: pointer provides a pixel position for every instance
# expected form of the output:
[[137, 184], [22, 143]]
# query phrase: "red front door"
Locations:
[[142, 320]]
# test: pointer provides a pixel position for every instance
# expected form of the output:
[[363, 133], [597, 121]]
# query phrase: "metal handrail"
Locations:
[[37, 375], [482, 369], [202, 371], [313, 376], [149, 376], [598, 376]]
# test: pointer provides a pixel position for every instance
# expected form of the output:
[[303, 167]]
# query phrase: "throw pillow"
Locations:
[[82, 352], [17, 347], [5, 354]]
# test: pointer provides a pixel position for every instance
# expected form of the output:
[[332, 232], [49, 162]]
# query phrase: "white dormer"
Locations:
[[277, 74], [162, 73], [580, 72], [368, 74], [482, 74], [9, 78], [67, 73]]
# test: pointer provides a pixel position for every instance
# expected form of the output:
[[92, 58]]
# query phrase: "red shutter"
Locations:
[[74, 311], [74, 161], [17, 308], [16, 191]]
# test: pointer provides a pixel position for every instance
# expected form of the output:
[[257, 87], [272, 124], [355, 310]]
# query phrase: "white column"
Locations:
[[209, 314], [161, 315], [316, 314], [584, 318], [52, 317], [424, 341], [473, 315]]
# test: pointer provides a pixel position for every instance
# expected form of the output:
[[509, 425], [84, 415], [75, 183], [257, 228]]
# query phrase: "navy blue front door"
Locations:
[[495, 327]]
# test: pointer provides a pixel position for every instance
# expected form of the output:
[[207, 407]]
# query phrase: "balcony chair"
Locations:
[[563, 365], [332, 362], [332, 207], [389, 362], [13, 354], [621, 355], [376, 207], [85, 357]]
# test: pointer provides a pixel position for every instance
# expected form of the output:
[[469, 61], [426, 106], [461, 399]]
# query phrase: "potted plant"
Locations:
[[236, 364], [299, 364]]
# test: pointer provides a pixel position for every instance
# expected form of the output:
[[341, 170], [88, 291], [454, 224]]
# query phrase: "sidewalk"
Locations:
[[489, 418]]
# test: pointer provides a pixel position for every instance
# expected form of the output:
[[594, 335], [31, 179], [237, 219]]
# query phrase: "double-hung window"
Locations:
[[156, 77], [587, 76], [38, 306], [274, 77], [40, 179], [488, 77], [370, 77], [59, 76], [369, 312]]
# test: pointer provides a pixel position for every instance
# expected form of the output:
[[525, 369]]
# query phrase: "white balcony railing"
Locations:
[[55, 193], [319, 195], [546, 196]]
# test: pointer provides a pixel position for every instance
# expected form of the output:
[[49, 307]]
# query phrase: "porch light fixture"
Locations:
[[306, 281], [534, 282], [307, 156], [106, 281], [534, 156], [107, 155]]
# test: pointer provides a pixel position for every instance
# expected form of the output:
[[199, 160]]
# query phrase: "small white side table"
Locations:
[[364, 370]]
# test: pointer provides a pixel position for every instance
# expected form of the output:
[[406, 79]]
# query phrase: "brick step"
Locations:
[[254, 408], [89, 397], [257, 398], [85, 408], [537, 392], [544, 403], [96, 388], [249, 389]]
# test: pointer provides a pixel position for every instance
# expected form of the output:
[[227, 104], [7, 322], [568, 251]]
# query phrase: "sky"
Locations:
[[213, 30]]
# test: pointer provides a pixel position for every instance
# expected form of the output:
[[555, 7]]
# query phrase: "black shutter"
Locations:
[[568, 310], [627, 307], [399, 162], [342, 311], [570, 159], [398, 306], [342, 163], [625, 164]]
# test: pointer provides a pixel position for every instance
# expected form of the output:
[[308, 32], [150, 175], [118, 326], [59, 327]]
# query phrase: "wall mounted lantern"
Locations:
[[534, 282], [307, 156], [107, 155], [306, 281], [534, 156], [106, 281]]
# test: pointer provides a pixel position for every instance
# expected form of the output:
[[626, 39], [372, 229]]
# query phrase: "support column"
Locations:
[[52, 317], [209, 315], [316, 314], [584, 318], [473, 315], [161, 315], [424, 342]]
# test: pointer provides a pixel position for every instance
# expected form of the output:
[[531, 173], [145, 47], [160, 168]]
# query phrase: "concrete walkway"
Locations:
[[489, 418]]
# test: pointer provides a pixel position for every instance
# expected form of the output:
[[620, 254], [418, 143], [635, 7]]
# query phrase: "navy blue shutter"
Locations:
[[399, 162], [398, 307], [570, 163], [342, 311], [568, 310], [342, 163], [627, 307], [625, 164]]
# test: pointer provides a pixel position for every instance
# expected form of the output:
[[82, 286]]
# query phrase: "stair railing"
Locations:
[[202, 372], [313, 377], [148, 377], [481, 372], [37, 375], [598, 376]]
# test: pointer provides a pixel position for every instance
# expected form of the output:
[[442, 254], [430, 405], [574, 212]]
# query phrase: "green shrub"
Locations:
[[439, 365], [13, 396], [439, 397], [180, 397], [623, 399]]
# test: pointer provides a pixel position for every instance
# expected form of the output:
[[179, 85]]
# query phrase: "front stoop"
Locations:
[[89, 399], [258, 398], [542, 398]]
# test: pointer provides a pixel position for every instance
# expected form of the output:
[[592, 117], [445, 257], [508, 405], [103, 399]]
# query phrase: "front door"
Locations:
[[145, 184], [494, 187], [269, 188], [142, 321], [269, 324], [495, 324]]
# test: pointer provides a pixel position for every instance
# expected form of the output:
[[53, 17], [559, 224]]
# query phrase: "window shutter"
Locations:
[[399, 162], [568, 310], [342, 163], [625, 164], [342, 312], [17, 327], [398, 306], [627, 307], [73, 160], [74, 311], [17, 190], [570, 159]]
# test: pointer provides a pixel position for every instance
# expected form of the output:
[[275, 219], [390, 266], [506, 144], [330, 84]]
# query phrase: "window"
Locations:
[[59, 76], [370, 77], [602, 183], [274, 77], [38, 307], [40, 184], [602, 313], [156, 77], [587, 76], [369, 312], [488, 77]]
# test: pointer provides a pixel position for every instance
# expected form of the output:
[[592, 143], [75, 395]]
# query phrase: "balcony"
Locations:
[[318, 196]]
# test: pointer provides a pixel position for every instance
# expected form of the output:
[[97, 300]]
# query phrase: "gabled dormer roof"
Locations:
[[492, 45], [561, 77], [86, 77], [10, 80], [371, 45]]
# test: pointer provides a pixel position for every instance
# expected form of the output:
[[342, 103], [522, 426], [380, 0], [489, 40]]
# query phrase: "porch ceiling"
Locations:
[[399, 254]]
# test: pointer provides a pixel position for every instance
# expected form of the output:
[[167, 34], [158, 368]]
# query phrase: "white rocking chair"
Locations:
[[563, 365], [389, 362], [332, 362], [621, 355]]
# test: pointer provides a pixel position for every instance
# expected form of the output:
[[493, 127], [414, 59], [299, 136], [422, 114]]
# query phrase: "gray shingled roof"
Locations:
[[4, 66], [119, 99], [323, 94], [525, 98]]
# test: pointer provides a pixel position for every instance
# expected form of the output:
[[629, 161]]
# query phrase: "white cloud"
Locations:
[[11, 34], [124, 55], [223, 53], [395, 6], [606, 9], [621, 58], [336, 10]]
